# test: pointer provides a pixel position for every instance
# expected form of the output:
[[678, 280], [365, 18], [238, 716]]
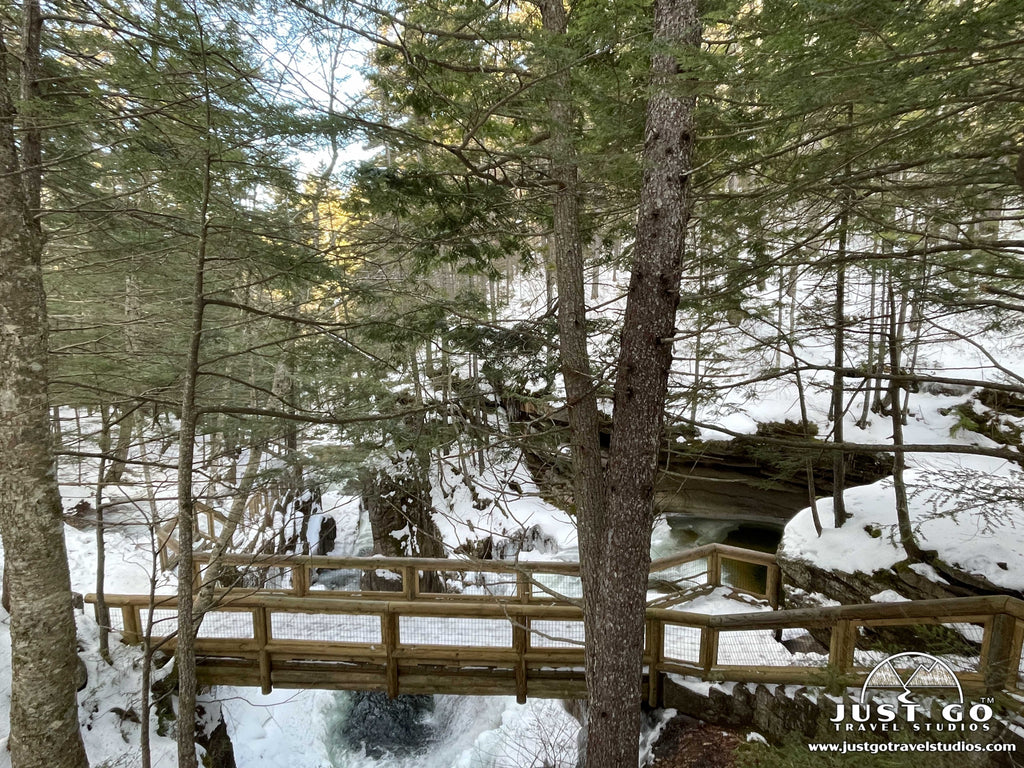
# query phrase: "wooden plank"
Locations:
[[948, 609], [389, 563], [999, 660], [655, 649], [300, 580], [1018, 646], [132, 622], [557, 657], [714, 568], [841, 645], [318, 648], [410, 583], [774, 585], [903, 621], [708, 648], [524, 588], [456, 655], [389, 633], [521, 644], [261, 632]]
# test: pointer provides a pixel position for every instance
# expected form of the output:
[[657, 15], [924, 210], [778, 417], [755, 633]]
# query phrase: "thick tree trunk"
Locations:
[[615, 637], [44, 711]]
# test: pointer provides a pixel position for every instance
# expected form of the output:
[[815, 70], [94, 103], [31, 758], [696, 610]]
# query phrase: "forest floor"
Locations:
[[688, 743]]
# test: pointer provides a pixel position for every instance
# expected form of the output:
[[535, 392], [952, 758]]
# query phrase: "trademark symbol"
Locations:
[[987, 700]]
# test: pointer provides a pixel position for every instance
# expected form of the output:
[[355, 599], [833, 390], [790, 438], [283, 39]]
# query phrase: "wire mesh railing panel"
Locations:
[[116, 620], [556, 634], [165, 621], [748, 577], [556, 585], [433, 583], [472, 633], [326, 627], [683, 576], [489, 584], [335, 580], [957, 644], [274, 577], [227, 624], [753, 648], [681, 643]]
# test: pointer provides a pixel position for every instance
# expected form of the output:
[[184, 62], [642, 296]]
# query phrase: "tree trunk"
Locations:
[[185, 652], [44, 710], [838, 382], [899, 463], [620, 550], [580, 388]]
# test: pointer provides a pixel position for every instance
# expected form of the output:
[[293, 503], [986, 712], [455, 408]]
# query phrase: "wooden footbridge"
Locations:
[[519, 631]]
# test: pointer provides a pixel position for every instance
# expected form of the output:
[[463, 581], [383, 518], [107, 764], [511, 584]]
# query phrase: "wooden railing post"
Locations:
[[655, 652], [841, 645], [1000, 657], [300, 579], [261, 632], [389, 634], [708, 649], [132, 622], [524, 587], [714, 568], [773, 585], [410, 582], [521, 643]]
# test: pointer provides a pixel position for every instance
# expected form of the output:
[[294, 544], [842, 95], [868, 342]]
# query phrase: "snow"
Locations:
[[110, 737], [889, 596], [984, 541]]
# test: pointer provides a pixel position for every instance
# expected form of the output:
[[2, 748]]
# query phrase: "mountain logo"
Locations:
[[905, 672], [902, 690]]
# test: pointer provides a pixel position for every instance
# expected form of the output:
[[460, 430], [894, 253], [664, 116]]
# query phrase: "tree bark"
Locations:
[[615, 636], [838, 398], [580, 387], [44, 710], [899, 462], [185, 652]]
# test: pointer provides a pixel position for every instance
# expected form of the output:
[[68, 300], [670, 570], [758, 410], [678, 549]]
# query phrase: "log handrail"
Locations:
[[408, 568], [397, 666], [998, 662], [565, 568]]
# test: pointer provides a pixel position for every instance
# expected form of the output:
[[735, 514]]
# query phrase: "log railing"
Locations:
[[204, 533], [526, 642], [524, 582]]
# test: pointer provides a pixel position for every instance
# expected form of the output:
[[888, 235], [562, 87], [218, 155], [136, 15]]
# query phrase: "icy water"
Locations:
[[466, 732], [681, 533]]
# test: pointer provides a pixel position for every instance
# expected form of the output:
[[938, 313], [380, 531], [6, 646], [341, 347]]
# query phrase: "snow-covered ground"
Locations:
[[967, 507]]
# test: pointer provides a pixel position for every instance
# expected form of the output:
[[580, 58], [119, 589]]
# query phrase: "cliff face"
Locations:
[[748, 479], [806, 584]]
